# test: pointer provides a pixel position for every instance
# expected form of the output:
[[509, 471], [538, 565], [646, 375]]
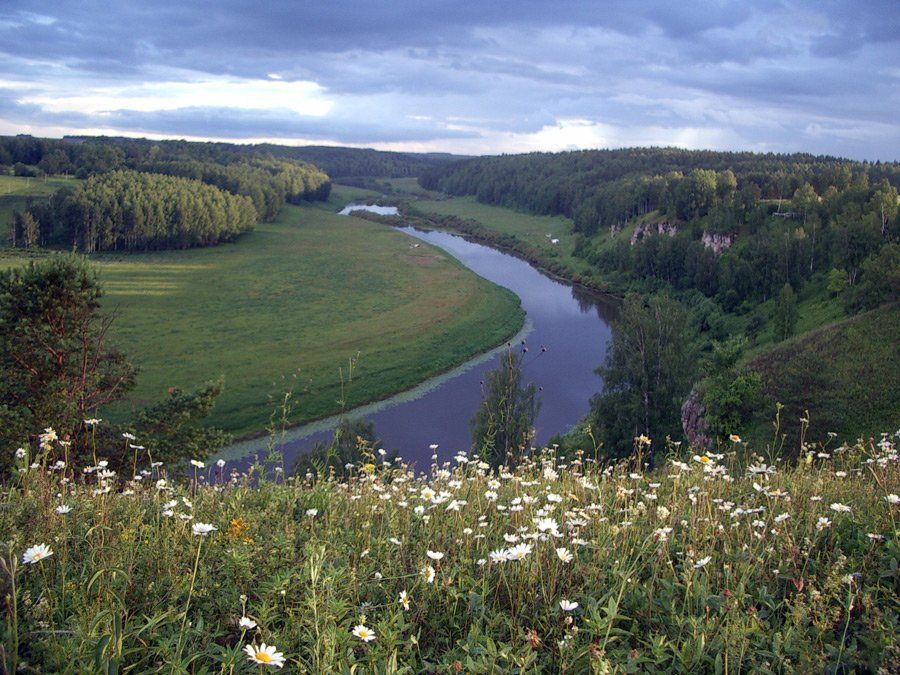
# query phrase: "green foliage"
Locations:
[[25, 229], [649, 367], [688, 569], [268, 183], [731, 394], [345, 163], [353, 443], [837, 281], [649, 216], [785, 318], [843, 376], [170, 431], [55, 366], [503, 426], [127, 210], [880, 280]]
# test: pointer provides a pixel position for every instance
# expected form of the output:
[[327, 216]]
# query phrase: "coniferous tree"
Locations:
[[55, 365]]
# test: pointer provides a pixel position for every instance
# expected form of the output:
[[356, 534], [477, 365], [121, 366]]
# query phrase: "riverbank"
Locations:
[[567, 334], [287, 306], [478, 233]]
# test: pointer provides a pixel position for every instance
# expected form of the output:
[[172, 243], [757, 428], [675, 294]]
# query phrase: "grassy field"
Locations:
[[729, 563], [288, 305], [530, 229]]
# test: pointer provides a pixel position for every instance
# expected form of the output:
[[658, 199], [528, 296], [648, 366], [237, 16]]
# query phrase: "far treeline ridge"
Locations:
[[153, 195]]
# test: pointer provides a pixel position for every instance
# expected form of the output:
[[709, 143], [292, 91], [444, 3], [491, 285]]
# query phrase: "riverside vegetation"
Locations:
[[758, 249], [620, 550], [325, 287], [728, 562], [205, 309]]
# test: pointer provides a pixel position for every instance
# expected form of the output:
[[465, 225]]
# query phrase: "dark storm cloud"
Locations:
[[758, 73]]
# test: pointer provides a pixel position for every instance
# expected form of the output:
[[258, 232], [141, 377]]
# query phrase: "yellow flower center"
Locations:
[[705, 459], [264, 657]]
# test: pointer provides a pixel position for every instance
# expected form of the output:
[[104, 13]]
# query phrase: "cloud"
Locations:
[[471, 77]]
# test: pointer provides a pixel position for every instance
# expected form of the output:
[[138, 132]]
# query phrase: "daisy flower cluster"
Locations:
[[561, 563]]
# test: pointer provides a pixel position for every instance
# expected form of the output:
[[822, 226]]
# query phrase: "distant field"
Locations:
[[341, 195], [298, 296], [529, 228], [16, 193]]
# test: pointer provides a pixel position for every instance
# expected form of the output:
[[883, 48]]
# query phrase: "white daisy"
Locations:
[[564, 555], [36, 554], [202, 529], [364, 633], [265, 655]]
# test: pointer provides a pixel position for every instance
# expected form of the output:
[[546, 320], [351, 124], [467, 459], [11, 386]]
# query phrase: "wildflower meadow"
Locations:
[[722, 562]]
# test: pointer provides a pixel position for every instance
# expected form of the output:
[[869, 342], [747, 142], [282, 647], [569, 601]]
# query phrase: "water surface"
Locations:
[[374, 208], [571, 325]]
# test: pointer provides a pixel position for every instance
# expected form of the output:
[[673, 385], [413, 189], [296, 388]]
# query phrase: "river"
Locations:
[[566, 333]]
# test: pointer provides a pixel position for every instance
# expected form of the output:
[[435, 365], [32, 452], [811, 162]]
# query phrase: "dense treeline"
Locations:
[[615, 185], [361, 162], [182, 214], [129, 210], [241, 170], [739, 225], [268, 183], [842, 233], [726, 243], [87, 155]]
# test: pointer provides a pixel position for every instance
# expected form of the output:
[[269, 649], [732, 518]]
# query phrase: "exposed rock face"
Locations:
[[665, 227], [717, 242], [693, 421], [615, 228]]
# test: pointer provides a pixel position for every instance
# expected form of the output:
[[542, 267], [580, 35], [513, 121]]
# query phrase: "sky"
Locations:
[[820, 76]]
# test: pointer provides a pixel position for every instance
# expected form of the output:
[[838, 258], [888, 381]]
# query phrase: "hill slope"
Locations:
[[845, 375]]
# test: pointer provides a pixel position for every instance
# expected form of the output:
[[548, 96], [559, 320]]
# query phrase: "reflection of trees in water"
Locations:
[[606, 305]]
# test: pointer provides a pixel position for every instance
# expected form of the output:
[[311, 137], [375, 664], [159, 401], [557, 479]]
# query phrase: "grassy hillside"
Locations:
[[707, 565], [297, 298], [844, 374]]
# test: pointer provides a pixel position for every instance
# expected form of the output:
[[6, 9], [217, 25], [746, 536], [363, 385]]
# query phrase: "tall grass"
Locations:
[[711, 563]]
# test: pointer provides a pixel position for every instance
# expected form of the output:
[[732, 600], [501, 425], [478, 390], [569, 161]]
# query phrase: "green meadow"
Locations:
[[286, 308], [529, 228]]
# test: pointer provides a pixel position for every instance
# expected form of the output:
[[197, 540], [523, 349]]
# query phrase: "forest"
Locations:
[[83, 155], [141, 195], [713, 253], [344, 163], [129, 210], [739, 225]]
